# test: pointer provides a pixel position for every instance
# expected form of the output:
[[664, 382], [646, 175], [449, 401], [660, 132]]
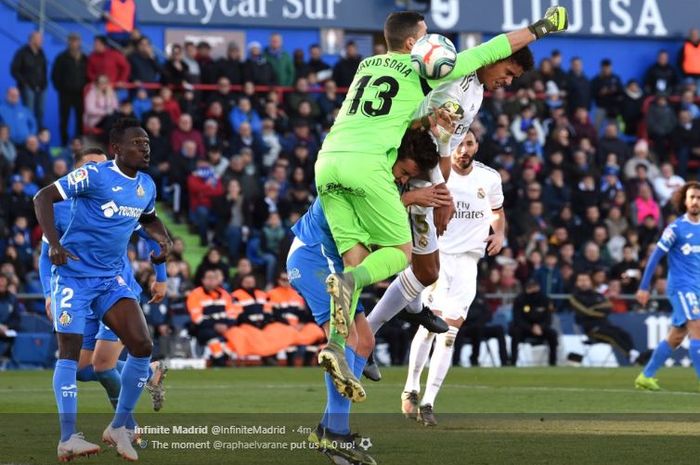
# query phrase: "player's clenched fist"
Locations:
[[59, 256]]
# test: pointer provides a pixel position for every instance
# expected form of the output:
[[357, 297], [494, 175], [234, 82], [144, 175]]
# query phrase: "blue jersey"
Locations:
[[681, 241], [106, 208], [312, 229]]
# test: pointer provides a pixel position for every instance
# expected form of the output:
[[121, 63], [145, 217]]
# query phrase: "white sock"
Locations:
[[440, 362], [416, 305], [403, 290], [420, 349]]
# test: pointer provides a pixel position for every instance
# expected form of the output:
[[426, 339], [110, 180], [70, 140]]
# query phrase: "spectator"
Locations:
[[100, 101], [578, 86], [144, 67], [526, 118], [203, 186], [272, 140], [660, 77], [69, 78], [316, 63], [301, 94], [28, 69], [182, 163], [244, 112], [109, 62], [158, 111], [532, 319], [212, 312], [477, 329], [641, 156], [590, 260], [160, 152], [689, 57], [592, 309], [186, 132], [344, 70], [686, 141], [10, 309], [233, 216], [301, 69], [628, 271], [17, 117], [667, 184], [289, 307], [190, 59], [329, 100], [531, 145], [231, 66], [583, 127], [611, 143], [177, 70], [607, 92], [615, 222], [644, 205], [7, 149], [280, 60], [19, 204], [141, 103], [246, 138], [207, 66], [688, 104], [217, 161], [31, 156], [237, 170], [631, 107], [257, 68], [661, 121], [212, 260], [120, 19], [171, 105], [548, 276]]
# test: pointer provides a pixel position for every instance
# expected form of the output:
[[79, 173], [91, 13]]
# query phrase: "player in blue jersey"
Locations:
[[681, 241], [99, 356], [110, 199], [312, 256]]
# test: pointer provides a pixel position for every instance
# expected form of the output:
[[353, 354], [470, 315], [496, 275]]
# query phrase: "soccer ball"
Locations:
[[433, 56]]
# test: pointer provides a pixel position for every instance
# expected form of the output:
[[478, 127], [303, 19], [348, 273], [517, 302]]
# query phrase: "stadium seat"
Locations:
[[34, 350]]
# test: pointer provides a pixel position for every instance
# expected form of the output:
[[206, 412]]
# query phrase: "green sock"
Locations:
[[379, 265]]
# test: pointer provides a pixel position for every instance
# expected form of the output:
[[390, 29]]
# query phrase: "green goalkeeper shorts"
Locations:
[[361, 201]]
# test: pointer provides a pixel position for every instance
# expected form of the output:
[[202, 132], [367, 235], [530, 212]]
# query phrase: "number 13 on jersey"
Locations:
[[384, 88]]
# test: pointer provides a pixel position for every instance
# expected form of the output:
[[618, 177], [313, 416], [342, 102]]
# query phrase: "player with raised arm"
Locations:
[[312, 256], [462, 97], [681, 241], [478, 193], [99, 355], [353, 172], [110, 198]]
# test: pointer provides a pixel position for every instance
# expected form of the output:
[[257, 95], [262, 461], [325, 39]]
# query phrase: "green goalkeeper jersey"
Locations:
[[384, 96]]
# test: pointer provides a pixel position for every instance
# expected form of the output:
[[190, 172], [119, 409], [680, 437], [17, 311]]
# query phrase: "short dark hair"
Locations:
[[523, 58], [78, 157], [399, 26], [120, 127], [678, 199], [417, 145]]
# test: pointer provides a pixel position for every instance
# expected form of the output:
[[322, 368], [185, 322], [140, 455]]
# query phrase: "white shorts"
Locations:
[[423, 230], [455, 288]]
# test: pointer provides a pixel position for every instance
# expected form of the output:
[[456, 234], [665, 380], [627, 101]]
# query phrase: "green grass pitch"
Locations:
[[487, 416]]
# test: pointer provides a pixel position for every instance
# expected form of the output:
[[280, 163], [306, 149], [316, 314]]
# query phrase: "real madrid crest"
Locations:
[[481, 193], [423, 241], [140, 191]]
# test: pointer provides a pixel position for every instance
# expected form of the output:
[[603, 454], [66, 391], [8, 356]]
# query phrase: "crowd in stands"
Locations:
[[588, 173]]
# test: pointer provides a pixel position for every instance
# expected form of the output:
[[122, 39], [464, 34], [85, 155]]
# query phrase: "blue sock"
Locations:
[[694, 352], [111, 381], [66, 391], [658, 358], [120, 367], [134, 378], [86, 374], [337, 416], [359, 365]]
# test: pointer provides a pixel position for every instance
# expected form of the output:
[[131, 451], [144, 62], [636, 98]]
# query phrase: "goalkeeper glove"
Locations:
[[555, 20]]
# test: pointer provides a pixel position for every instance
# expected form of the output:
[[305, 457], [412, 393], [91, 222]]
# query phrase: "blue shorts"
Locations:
[[96, 330], [686, 306], [307, 268], [75, 299]]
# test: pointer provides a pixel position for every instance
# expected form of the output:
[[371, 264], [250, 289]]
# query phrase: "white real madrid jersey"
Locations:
[[476, 195], [462, 96]]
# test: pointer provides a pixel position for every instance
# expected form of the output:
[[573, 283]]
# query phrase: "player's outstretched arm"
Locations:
[[43, 207], [156, 229], [503, 45]]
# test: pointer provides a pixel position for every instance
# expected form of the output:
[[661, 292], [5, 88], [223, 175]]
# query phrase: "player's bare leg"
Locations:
[[127, 321], [74, 445]]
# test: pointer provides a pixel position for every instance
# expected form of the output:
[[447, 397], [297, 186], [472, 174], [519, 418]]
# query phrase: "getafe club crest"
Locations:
[[64, 318], [140, 191]]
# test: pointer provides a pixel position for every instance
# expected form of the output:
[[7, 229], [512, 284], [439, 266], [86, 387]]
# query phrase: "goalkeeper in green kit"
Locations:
[[356, 187]]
